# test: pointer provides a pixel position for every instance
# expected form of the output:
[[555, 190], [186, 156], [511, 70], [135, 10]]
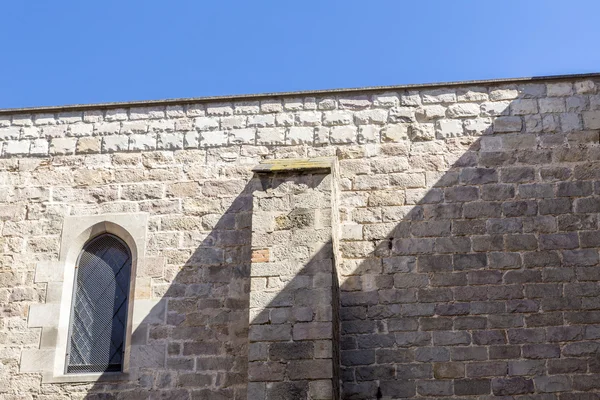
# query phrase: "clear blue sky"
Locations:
[[66, 51]]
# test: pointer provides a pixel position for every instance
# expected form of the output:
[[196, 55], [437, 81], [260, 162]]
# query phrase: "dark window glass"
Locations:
[[99, 316]]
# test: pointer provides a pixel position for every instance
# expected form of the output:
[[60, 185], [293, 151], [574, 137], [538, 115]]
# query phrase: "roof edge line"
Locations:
[[258, 96]]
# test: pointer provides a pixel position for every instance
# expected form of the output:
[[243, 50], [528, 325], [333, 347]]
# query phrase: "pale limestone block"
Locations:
[[242, 136], [533, 123], [524, 107], [439, 96], [422, 132], [81, 130], [203, 124], [233, 122], [106, 128], [175, 111], [271, 106], [343, 134], [293, 104], [284, 119], [37, 360], [430, 112], [591, 119], [310, 103], [300, 135], [54, 131], [11, 133], [261, 121], [472, 94], [115, 143], [146, 113], [219, 109], [411, 98], [374, 116], [41, 315], [505, 92], [386, 100], [22, 120], [170, 141], [54, 292], [446, 128], [129, 127], [333, 118], [93, 116], [369, 133], [532, 90], [308, 118], [62, 146], [119, 114], [395, 133], [146, 311], [507, 124], [184, 125], [494, 108], [320, 390], [163, 125], [148, 356], [44, 119], [477, 126], [191, 140], [585, 87], [214, 138], [577, 103], [326, 103], [17, 147], [463, 110], [322, 135], [595, 102], [49, 271], [195, 110], [246, 107], [270, 136], [30, 132], [552, 105], [5, 120], [550, 123], [559, 89], [352, 232], [491, 143], [69, 117], [354, 102], [570, 122], [141, 142]]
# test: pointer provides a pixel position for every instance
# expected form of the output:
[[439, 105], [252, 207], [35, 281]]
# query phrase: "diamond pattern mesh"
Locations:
[[99, 314]]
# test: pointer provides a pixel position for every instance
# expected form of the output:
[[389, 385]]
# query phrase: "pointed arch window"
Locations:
[[100, 302]]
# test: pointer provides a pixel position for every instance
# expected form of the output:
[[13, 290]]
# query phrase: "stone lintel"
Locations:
[[319, 164]]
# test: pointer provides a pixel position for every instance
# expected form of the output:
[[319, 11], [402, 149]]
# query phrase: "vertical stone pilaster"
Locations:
[[292, 353]]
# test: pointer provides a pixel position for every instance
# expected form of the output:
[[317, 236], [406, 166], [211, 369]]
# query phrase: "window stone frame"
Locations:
[[53, 317]]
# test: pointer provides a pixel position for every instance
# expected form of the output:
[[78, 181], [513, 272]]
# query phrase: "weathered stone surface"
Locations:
[[467, 260]]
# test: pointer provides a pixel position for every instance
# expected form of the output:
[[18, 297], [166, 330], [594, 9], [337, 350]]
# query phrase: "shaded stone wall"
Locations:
[[468, 235]]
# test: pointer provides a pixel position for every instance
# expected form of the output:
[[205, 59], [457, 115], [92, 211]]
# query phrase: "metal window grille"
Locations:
[[99, 315]]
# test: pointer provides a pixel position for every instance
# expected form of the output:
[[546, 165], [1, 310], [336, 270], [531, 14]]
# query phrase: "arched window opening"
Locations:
[[100, 302]]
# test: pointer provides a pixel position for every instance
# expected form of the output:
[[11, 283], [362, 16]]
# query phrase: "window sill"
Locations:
[[82, 378]]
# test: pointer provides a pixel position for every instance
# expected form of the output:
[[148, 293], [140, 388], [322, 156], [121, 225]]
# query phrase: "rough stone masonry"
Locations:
[[435, 241]]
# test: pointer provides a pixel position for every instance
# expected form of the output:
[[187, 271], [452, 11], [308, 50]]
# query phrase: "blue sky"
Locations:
[[67, 52]]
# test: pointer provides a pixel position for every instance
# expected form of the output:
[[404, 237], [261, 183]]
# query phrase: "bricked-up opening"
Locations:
[[100, 301], [294, 335]]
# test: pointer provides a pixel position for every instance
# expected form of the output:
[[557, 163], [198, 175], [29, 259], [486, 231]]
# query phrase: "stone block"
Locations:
[[41, 315], [37, 360]]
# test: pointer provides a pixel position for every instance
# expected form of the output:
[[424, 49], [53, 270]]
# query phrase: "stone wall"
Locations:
[[468, 223]]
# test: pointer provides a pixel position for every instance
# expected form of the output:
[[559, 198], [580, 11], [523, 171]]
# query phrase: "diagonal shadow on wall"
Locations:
[[474, 274]]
